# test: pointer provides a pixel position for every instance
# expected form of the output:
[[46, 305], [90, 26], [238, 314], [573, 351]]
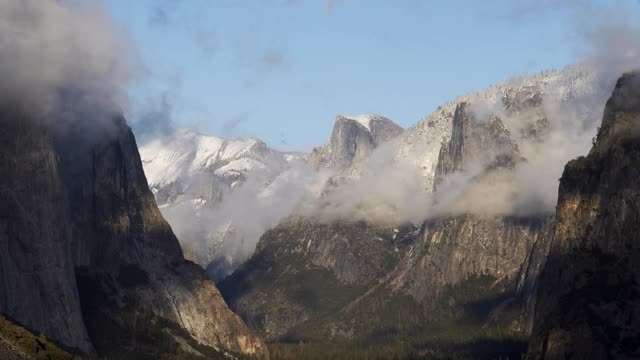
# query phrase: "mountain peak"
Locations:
[[622, 112], [353, 138], [364, 119]]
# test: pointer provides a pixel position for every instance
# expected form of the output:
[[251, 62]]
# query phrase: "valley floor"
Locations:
[[479, 349]]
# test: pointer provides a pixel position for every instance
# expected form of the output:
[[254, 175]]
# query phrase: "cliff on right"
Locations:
[[588, 301]]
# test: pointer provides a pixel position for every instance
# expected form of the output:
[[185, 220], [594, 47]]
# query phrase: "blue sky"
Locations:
[[281, 70]]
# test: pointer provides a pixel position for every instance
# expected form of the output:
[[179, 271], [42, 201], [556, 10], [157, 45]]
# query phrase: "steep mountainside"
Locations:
[[303, 272], [589, 298], [464, 281], [92, 260], [370, 284]]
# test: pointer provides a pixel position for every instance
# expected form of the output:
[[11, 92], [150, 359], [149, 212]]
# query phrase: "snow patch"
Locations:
[[186, 152], [363, 119]]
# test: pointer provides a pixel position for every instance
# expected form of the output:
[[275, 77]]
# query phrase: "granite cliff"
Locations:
[[88, 259], [588, 298], [352, 141]]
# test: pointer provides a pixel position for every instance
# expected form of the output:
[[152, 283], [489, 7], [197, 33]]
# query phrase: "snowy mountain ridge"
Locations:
[[364, 119], [420, 144], [166, 160], [218, 194], [208, 187]]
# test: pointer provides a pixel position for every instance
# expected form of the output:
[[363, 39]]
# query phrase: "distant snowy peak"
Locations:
[[186, 155], [381, 128]]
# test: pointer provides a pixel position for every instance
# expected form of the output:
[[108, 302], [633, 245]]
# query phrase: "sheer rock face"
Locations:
[[450, 250], [37, 280], [352, 140], [528, 280], [473, 143], [115, 218], [589, 299], [79, 212]]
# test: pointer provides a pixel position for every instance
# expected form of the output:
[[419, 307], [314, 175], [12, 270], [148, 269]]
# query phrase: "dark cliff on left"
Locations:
[[86, 258]]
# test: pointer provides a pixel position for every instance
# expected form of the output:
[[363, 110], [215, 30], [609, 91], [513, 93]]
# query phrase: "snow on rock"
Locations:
[[364, 119], [186, 153], [420, 145], [353, 139], [219, 195], [197, 171]]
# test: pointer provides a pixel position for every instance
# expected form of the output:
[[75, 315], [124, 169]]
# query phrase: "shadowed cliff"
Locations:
[[91, 262], [589, 297]]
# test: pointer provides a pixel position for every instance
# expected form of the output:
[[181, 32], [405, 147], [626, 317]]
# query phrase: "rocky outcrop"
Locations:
[[352, 140], [92, 259], [484, 144], [589, 299]]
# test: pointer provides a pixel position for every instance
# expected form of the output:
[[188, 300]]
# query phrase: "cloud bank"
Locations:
[[51, 49]]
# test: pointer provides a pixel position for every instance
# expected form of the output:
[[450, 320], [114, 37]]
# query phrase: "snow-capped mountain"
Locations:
[[219, 195], [541, 95], [549, 117], [461, 203], [175, 165]]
